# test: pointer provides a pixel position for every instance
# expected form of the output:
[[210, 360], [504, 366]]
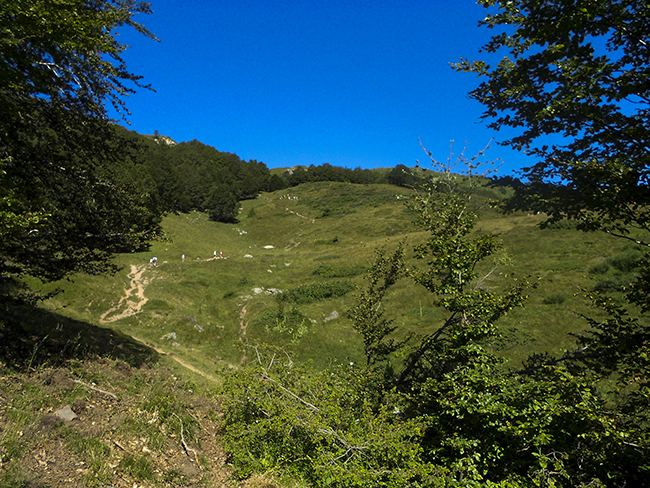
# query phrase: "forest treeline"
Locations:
[[194, 176]]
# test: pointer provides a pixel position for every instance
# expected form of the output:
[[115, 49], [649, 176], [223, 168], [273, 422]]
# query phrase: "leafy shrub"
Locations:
[[321, 427], [343, 271], [316, 292]]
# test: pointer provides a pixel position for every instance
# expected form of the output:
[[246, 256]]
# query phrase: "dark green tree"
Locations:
[[573, 86], [401, 176], [222, 205], [64, 194]]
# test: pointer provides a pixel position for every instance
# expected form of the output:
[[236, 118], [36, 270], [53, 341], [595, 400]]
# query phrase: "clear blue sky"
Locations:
[[352, 83]]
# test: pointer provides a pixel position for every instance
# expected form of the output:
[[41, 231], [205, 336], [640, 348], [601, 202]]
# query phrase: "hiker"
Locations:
[[220, 254], [215, 254], [183, 257]]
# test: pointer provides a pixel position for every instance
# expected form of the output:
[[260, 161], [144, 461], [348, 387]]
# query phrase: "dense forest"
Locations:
[[193, 176]]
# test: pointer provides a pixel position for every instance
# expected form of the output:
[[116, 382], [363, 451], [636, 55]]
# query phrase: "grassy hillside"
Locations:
[[318, 239], [148, 414]]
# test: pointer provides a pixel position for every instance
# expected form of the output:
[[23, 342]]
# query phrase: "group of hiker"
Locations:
[[154, 260]]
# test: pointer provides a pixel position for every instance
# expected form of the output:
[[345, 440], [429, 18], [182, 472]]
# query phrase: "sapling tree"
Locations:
[[444, 207]]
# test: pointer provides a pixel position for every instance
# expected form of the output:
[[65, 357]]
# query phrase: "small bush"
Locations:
[[315, 292], [320, 427], [554, 299]]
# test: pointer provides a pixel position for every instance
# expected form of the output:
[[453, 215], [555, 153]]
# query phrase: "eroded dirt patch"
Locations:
[[133, 298]]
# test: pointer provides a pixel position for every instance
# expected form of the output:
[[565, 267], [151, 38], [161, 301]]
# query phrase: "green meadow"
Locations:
[[291, 266]]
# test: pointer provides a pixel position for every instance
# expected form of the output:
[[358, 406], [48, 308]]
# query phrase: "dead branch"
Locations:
[[94, 388]]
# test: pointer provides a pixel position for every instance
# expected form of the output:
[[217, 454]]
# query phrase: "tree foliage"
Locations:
[[66, 204], [400, 175], [471, 419], [573, 86]]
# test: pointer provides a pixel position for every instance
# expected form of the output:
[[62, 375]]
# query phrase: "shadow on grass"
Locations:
[[31, 337]]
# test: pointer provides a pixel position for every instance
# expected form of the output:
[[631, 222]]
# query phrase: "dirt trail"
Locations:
[[287, 209], [180, 361], [131, 303], [313, 221], [242, 331], [133, 298]]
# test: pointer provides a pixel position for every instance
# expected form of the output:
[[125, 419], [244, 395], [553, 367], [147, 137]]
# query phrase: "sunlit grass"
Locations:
[[329, 232]]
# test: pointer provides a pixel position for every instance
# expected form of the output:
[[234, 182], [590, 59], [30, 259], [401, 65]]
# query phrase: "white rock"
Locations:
[[332, 316], [66, 413]]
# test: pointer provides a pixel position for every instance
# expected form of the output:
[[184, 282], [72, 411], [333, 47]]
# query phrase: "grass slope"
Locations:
[[320, 236], [199, 312]]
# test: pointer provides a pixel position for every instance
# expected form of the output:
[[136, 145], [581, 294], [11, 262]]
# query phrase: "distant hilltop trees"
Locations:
[[194, 176]]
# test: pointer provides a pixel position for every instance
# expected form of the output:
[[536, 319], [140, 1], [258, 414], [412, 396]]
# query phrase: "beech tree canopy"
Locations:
[[574, 85], [65, 204]]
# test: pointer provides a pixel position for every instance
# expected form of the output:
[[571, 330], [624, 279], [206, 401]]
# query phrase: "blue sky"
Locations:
[[350, 83]]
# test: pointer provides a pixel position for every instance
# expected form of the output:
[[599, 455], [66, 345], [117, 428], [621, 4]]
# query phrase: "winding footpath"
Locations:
[[133, 298], [131, 303]]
